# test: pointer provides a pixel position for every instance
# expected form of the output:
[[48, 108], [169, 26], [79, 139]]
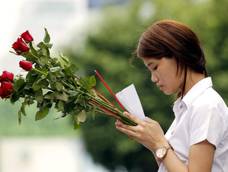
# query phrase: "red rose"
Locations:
[[6, 76], [20, 46], [6, 89], [26, 65], [27, 37]]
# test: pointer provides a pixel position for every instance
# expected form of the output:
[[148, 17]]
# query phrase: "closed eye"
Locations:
[[152, 66], [155, 68]]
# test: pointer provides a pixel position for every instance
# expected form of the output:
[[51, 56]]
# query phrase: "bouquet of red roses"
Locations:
[[52, 82]]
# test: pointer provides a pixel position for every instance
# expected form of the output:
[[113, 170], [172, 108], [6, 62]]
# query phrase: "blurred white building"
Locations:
[[45, 155]]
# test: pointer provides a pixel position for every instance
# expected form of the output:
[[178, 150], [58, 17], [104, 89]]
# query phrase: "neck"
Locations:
[[191, 79]]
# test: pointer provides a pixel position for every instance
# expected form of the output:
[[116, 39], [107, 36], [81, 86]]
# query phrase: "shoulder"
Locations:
[[208, 118], [209, 99], [210, 106]]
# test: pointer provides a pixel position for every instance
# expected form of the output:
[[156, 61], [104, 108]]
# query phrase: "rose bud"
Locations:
[[27, 36], [26, 65], [20, 46], [7, 89], [6, 76]]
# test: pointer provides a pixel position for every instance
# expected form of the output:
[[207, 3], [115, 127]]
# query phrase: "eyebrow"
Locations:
[[149, 64]]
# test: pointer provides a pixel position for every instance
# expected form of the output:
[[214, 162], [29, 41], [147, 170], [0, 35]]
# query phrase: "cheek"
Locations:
[[172, 84]]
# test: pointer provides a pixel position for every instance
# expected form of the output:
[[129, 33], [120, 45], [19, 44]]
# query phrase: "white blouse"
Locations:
[[200, 115]]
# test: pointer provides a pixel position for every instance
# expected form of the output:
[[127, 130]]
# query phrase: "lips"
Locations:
[[160, 87]]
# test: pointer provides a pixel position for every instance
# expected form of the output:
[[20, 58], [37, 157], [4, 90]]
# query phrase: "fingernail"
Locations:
[[125, 113]]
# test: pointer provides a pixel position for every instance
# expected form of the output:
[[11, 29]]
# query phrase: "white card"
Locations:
[[130, 100]]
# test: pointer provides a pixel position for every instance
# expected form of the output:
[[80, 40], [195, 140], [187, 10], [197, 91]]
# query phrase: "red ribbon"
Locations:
[[108, 88]]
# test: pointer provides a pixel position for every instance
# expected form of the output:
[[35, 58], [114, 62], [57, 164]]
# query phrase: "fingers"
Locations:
[[126, 129], [138, 120], [119, 124], [147, 119], [133, 117], [130, 133]]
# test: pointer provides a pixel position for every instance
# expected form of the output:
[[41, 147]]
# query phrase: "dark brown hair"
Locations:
[[172, 39]]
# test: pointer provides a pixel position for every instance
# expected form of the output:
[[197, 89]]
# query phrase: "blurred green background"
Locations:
[[109, 47]]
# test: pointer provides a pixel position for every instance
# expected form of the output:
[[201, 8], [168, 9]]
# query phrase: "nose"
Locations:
[[154, 78]]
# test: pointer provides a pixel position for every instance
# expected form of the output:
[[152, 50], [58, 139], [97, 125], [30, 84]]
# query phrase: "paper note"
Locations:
[[130, 100]]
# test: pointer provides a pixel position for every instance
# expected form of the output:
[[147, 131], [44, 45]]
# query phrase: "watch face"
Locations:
[[160, 153]]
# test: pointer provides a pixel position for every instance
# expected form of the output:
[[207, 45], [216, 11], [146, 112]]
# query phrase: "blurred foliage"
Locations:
[[9, 126], [110, 48]]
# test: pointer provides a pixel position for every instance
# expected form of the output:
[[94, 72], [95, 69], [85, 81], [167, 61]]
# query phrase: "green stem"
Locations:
[[114, 110], [39, 71], [106, 105], [68, 85]]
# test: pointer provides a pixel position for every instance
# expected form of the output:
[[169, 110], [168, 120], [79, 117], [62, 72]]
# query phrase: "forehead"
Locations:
[[150, 61], [167, 62]]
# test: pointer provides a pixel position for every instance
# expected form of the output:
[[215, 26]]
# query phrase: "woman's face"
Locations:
[[164, 74]]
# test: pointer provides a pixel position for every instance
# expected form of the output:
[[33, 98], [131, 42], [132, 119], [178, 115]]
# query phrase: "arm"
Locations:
[[200, 159], [149, 133]]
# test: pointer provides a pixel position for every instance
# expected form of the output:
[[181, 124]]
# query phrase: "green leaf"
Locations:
[[48, 45], [43, 60], [19, 116], [92, 81], [39, 98], [69, 106], [44, 50], [81, 117], [21, 111], [60, 106], [29, 56], [88, 82], [31, 76], [64, 61], [18, 84], [78, 98], [55, 69], [40, 83], [39, 95], [72, 93], [33, 50], [68, 71], [59, 86], [15, 97], [52, 77], [61, 96], [76, 125], [36, 86], [49, 95], [46, 36], [42, 113]]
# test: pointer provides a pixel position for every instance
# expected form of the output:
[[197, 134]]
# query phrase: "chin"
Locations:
[[168, 92]]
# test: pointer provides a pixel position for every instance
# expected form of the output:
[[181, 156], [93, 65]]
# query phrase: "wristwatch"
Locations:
[[161, 152]]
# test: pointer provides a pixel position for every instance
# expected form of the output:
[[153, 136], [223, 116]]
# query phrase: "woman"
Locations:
[[197, 140]]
